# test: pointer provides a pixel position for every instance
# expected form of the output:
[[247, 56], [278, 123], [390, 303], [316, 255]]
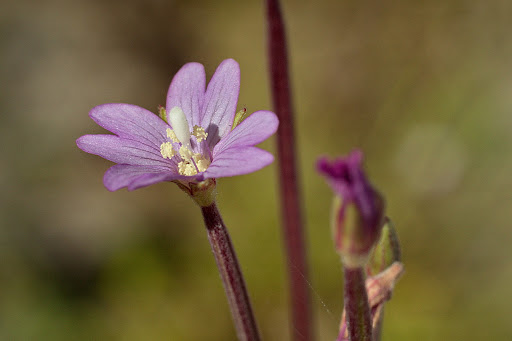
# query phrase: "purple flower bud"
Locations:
[[358, 210]]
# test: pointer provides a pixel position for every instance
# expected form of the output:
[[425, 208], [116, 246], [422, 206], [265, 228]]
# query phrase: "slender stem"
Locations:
[[358, 317], [230, 274], [342, 335], [377, 329], [290, 194]]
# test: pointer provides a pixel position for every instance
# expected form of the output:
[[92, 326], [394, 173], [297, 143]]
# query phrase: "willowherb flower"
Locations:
[[194, 139], [358, 211]]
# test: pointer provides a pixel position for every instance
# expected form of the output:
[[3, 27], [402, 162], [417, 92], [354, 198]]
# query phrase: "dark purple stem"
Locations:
[[290, 194], [230, 274], [358, 316]]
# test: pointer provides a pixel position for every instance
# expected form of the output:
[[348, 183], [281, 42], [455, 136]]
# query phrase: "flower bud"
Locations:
[[386, 251], [358, 209]]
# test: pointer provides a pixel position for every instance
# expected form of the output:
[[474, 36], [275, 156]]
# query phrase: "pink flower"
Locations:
[[196, 143]]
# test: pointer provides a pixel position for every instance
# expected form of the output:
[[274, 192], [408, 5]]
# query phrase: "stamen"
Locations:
[[185, 153], [185, 168], [201, 163], [166, 150], [191, 163], [179, 123], [199, 133], [172, 135]]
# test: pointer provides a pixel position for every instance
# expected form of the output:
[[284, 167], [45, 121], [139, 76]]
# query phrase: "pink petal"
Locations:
[[220, 101], [133, 177], [238, 161], [254, 129], [187, 92], [149, 179], [122, 151], [131, 122]]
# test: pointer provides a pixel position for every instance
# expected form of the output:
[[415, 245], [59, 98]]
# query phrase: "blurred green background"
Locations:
[[423, 87]]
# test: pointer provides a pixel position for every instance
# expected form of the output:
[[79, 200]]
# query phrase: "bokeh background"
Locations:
[[423, 87]]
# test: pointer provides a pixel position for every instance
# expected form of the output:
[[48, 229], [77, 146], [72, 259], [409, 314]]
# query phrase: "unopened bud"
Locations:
[[358, 209], [386, 251]]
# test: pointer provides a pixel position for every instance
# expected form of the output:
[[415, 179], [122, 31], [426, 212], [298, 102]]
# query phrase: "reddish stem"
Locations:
[[290, 194], [230, 274], [358, 316]]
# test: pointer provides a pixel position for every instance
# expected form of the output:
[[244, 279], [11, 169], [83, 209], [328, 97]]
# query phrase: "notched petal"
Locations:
[[131, 122], [220, 101], [238, 161], [119, 176], [254, 129], [122, 151], [187, 91]]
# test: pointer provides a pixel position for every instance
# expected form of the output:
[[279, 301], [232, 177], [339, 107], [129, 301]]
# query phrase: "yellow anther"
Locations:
[[166, 150], [199, 133], [185, 168], [202, 165], [171, 135], [185, 153], [201, 162], [191, 163], [181, 167]]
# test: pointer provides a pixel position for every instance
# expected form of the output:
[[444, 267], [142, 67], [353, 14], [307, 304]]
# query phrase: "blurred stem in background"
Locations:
[[231, 275], [293, 234]]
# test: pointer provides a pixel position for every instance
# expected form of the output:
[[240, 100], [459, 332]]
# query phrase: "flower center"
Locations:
[[179, 145]]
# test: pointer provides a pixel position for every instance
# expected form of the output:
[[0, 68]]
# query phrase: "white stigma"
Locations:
[[179, 124]]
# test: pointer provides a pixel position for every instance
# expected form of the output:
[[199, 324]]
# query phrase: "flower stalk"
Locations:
[[379, 289], [290, 194], [356, 305], [231, 274]]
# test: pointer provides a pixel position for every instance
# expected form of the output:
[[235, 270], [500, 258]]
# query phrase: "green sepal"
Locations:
[[162, 113], [239, 117], [203, 193], [386, 251]]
